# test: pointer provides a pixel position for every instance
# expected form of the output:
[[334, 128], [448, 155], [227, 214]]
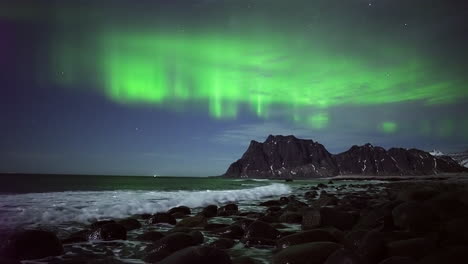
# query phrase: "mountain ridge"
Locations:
[[290, 157]]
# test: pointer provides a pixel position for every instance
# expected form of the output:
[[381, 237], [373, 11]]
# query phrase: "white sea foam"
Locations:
[[85, 207]]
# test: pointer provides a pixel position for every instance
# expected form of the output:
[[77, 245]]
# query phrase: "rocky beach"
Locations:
[[329, 221]]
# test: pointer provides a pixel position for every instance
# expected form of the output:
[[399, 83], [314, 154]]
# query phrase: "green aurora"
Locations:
[[254, 64]]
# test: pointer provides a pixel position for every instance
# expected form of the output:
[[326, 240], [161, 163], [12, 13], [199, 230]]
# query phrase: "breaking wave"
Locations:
[[85, 207]]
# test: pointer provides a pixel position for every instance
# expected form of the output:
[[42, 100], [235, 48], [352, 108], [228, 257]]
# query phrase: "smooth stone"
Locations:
[[107, 232], [315, 235], [130, 224], [32, 244], [308, 253], [162, 218], [198, 255]]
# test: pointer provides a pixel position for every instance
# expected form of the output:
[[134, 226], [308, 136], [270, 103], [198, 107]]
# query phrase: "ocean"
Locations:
[[68, 203]]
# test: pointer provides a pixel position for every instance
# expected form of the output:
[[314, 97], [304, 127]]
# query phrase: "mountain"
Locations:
[[290, 157], [436, 152], [284, 156], [460, 157]]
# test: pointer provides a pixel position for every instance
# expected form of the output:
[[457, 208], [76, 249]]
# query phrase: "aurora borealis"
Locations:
[[392, 72]]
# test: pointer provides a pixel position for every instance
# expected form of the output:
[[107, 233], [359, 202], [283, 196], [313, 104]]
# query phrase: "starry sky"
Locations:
[[180, 87]]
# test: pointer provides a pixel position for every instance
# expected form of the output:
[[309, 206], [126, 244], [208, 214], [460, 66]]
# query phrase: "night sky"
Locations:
[[181, 87]]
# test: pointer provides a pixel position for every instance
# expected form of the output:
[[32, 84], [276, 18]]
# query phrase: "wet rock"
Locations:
[[343, 256], [244, 260], [210, 211], [214, 226], [269, 219], [101, 223], [107, 232], [258, 242], [353, 239], [456, 254], [197, 236], [167, 245], [273, 209], [130, 224], [285, 200], [417, 193], [198, 255], [324, 200], [291, 217], [414, 216], [270, 203], [244, 223], [32, 244], [310, 194], [398, 260], [321, 185], [178, 215], [259, 229], [311, 219], [77, 237], [340, 219], [315, 235], [150, 236], [223, 243], [159, 218], [455, 231], [184, 210], [193, 221], [233, 231], [228, 210], [447, 206], [414, 248], [309, 253], [330, 182], [372, 248]]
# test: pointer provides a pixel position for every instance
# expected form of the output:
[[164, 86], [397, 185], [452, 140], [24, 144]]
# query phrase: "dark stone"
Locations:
[[180, 209], [214, 226], [309, 253], [150, 236], [269, 218], [244, 223], [321, 185], [101, 223], [258, 242], [233, 231], [167, 245], [77, 237], [223, 243], [32, 244], [311, 219], [162, 218], [398, 260], [259, 229], [340, 219], [270, 203], [273, 209], [372, 248], [414, 216], [107, 232], [130, 224], [414, 248], [198, 255], [324, 200], [456, 254], [244, 260], [455, 231], [315, 235], [193, 221], [210, 211], [291, 217], [284, 200], [343, 256], [197, 236], [353, 239]]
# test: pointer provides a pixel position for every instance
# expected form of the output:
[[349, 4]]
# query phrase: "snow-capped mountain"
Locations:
[[436, 153], [461, 158]]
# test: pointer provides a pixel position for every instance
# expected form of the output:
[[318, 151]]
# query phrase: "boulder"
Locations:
[[214, 226], [343, 256], [271, 203], [193, 221], [223, 243], [130, 224], [414, 216], [150, 236], [415, 248], [167, 245], [162, 218], [311, 219], [107, 232], [290, 217], [101, 223], [184, 210], [259, 229], [258, 242], [197, 236], [32, 244], [372, 248], [233, 231], [455, 254], [315, 235], [340, 219], [244, 260], [308, 253], [398, 260], [198, 255], [210, 211]]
